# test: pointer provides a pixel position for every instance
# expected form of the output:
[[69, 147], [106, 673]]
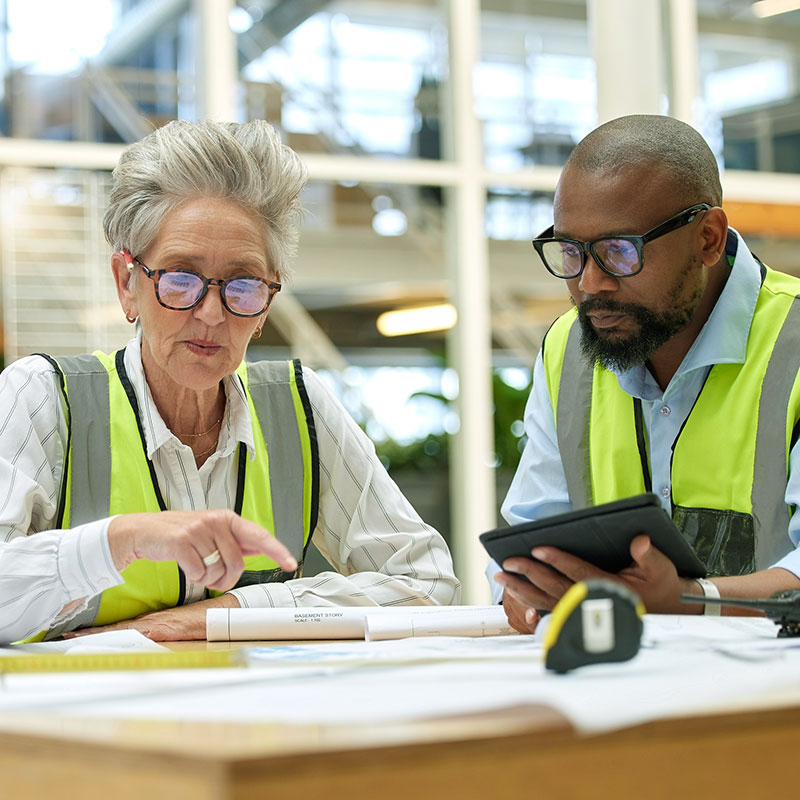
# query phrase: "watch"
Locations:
[[710, 590]]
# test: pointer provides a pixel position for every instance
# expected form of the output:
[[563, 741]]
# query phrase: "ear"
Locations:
[[122, 270], [714, 235]]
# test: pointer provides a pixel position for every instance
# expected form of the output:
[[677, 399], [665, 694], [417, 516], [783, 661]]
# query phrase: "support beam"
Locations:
[[216, 61], [626, 42], [683, 58], [472, 477]]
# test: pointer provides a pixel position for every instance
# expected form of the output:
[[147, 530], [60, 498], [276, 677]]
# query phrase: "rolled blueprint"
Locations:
[[258, 624], [330, 622], [484, 621]]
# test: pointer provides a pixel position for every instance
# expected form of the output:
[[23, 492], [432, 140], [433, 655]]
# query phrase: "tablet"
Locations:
[[601, 535]]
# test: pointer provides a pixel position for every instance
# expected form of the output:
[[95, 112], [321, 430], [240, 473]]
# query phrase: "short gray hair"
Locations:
[[246, 163], [643, 140]]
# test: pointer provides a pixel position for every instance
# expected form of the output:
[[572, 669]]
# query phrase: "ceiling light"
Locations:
[[390, 222], [239, 20], [769, 8], [406, 321]]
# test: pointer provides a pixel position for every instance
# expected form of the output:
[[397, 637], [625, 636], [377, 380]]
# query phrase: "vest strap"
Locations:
[[573, 417], [770, 511], [90, 433], [268, 384]]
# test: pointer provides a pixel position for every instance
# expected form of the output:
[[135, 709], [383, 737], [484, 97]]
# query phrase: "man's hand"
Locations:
[[543, 581], [170, 625], [539, 587], [189, 537]]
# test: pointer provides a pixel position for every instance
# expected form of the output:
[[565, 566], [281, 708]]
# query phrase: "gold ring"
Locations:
[[212, 558]]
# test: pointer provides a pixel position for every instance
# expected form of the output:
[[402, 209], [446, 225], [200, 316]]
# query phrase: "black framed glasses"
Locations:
[[620, 256], [180, 289]]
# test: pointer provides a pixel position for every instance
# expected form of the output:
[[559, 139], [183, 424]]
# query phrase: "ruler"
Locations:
[[99, 662]]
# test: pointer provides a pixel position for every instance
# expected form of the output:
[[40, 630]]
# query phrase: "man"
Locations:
[[676, 372]]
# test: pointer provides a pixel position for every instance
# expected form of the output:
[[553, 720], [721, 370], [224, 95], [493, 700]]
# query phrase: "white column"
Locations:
[[216, 66], [683, 49], [626, 43], [472, 481]]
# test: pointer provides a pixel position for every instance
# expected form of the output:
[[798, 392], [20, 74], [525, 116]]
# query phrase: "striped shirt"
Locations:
[[381, 551]]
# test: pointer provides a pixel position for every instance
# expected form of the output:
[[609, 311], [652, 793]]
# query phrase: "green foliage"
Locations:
[[509, 409], [423, 455], [431, 453]]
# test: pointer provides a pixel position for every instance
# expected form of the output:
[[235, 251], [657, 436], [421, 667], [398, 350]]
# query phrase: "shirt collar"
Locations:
[[723, 338], [236, 424]]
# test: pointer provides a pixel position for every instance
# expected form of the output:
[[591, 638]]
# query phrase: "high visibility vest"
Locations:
[[107, 472], [730, 460]]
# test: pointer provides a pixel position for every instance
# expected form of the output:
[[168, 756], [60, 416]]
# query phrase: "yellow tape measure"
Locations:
[[98, 662]]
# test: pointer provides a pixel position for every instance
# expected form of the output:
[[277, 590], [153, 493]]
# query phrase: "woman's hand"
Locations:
[[209, 546], [170, 625]]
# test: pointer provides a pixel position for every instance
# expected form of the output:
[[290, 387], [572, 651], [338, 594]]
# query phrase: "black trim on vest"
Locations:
[[678, 436], [62, 500], [241, 470], [119, 360], [312, 438], [641, 443], [122, 373], [544, 338]]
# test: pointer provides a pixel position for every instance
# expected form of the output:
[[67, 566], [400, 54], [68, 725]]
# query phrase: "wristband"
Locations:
[[710, 590]]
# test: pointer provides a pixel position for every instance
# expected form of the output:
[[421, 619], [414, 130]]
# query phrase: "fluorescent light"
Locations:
[[769, 8], [405, 321]]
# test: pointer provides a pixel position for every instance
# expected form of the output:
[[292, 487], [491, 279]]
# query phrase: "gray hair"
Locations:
[[245, 163], [647, 140]]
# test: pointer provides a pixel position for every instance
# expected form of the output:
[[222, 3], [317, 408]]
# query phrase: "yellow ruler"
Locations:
[[98, 662]]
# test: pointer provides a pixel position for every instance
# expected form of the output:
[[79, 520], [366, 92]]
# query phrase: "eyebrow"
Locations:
[[196, 262], [611, 235]]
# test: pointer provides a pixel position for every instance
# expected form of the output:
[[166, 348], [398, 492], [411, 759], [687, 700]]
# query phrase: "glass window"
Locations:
[[749, 85], [535, 88]]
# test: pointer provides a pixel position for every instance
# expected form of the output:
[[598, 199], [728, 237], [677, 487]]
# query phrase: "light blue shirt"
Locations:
[[539, 488]]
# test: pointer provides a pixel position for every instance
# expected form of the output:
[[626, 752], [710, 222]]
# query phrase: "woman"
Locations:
[[153, 478]]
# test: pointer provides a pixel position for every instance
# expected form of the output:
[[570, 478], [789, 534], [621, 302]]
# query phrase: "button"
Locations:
[[665, 492], [665, 411]]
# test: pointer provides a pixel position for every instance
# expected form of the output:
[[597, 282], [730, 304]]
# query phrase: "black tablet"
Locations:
[[600, 534]]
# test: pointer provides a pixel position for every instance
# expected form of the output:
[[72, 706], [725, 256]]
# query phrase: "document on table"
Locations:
[[123, 641], [353, 622], [686, 666]]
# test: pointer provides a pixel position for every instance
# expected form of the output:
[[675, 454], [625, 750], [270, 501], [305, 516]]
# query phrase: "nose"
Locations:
[[210, 309], [594, 280]]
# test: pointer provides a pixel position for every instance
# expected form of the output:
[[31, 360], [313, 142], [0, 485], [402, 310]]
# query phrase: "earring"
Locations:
[[257, 332], [130, 319]]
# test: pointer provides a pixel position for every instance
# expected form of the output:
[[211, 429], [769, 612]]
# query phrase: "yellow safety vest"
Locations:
[[108, 472], [730, 460]]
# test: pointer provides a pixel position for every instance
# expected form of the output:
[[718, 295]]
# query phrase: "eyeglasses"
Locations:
[[620, 256], [181, 289]]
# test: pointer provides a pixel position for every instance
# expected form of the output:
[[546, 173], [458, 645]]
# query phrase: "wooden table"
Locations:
[[527, 749]]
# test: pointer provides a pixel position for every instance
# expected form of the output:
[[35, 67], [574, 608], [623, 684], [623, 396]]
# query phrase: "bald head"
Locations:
[[645, 141]]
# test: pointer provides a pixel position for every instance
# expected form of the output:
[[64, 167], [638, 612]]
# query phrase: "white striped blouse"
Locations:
[[381, 551]]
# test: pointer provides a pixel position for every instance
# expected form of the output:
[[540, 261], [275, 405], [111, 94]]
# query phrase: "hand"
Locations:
[[652, 576], [521, 618], [540, 587], [190, 536], [170, 625]]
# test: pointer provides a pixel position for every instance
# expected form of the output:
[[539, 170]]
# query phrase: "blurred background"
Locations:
[[434, 133]]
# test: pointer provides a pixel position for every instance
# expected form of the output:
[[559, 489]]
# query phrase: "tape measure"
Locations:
[[99, 662], [594, 622]]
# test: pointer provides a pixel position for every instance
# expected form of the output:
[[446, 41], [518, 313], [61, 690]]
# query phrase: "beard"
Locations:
[[620, 352]]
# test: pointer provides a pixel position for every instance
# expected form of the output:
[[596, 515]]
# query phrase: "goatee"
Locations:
[[620, 352]]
